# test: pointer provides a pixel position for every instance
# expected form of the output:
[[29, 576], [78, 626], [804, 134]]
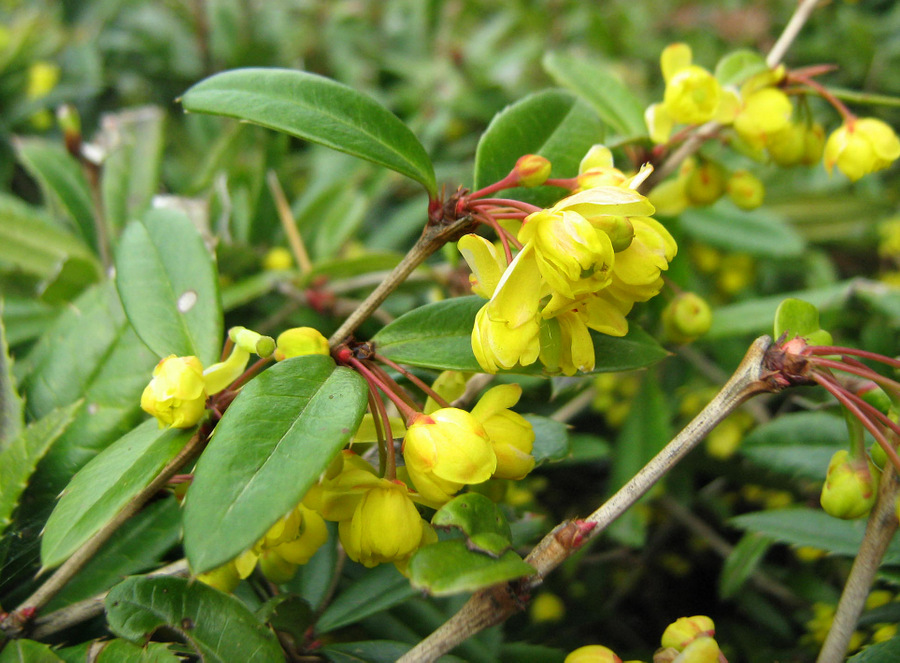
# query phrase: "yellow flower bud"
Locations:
[[684, 630], [277, 569], [787, 146], [300, 341], [547, 608], [763, 113], [511, 435], [745, 190], [593, 654], [336, 498], [385, 526], [813, 144], [686, 317], [861, 147], [176, 395], [706, 184], [703, 649], [533, 170], [42, 77], [277, 258], [850, 487]]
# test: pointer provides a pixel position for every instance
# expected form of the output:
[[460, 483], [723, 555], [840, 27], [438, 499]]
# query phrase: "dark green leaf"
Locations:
[[758, 233], [62, 181], [449, 567], [218, 626], [798, 443], [169, 287], [439, 336], [481, 521], [551, 438], [28, 651], [288, 613], [741, 563], [811, 527], [524, 652], [12, 411], [379, 589], [105, 485], [123, 651], [736, 67], [274, 441], [316, 109], [882, 652], [373, 651], [18, 460], [554, 124], [612, 100], [585, 448]]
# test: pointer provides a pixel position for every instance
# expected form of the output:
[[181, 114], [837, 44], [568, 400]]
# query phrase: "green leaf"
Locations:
[[373, 651], [26, 318], [218, 626], [882, 652], [28, 651], [288, 613], [62, 181], [811, 527], [18, 460], [12, 411], [612, 100], [554, 124], [742, 563], [449, 567], [551, 438], [123, 651], [130, 176], [105, 485], [798, 444], [758, 233], [169, 287], [481, 521], [439, 336], [273, 442], [736, 67], [379, 589], [316, 109], [795, 317]]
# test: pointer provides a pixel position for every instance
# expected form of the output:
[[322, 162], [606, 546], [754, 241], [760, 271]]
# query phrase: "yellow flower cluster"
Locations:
[[583, 264]]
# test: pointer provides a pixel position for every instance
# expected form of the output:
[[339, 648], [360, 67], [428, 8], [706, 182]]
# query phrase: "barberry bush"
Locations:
[[352, 331]]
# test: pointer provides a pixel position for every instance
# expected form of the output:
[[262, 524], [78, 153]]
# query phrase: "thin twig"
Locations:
[[298, 248], [790, 32]]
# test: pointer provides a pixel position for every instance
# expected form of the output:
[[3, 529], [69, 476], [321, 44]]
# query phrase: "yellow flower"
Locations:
[[42, 77], [861, 147], [311, 535], [702, 650], [176, 395], [511, 435], [447, 448], [385, 526], [300, 341], [593, 654], [485, 261], [680, 633], [692, 96], [763, 113], [566, 344], [224, 578], [337, 494]]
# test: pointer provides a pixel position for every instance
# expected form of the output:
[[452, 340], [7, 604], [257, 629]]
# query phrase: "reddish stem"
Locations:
[[528, 208], [794, 77], [508, 182], [865, 354], [415, 380], [390, 460], [376, 381], [861, 371], [251, 372]]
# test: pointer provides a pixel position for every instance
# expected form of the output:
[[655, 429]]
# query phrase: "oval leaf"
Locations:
[[379, 589], [736, 67], [758, 233], [742, 563], [798, 444], [169, 287], [439, 336], [554, 124], [316, 109], [480, 520], [105, 485], [614, 102], [449, 567], [218, 626], [271, 445]]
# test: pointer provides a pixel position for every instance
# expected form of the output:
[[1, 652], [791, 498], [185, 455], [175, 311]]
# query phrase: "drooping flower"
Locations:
[[860, 147], [176, 395], [511, 435], [300, 341]]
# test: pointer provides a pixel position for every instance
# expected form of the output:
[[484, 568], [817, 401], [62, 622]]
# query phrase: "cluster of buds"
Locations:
[[687, 640], [581, 265]]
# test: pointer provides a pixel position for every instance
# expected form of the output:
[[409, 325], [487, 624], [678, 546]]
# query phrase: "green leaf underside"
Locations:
[[28, 651], [742, 563], [316, 109], [439, 336], [551, 438], [758, 233], [105, 485], [218, 626], [814, 528], [18, 461], [169, 288], [612, 100], [378, 590], [479, 519], [12, 408], [271, 445], [797, 444], [449, 567], [554, 124]]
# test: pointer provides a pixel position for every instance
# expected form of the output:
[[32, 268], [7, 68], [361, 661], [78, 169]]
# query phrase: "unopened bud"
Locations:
[[533, 170], [547, 607], [277, 258], [813, 144], [619, 229], [706, 184], [786, 147], [702, 650], [251, 341], [850, 487], [593, 654], [686, 317], [300, 341], [70, 123], [684, 630], [745, 190]]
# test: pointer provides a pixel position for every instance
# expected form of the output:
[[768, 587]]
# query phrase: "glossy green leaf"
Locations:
[[797, 444], [169, 286], [138, 546], [218, 626], [379, 589], [645, 432], [130, 175], [742, 563], [551, 438], [736, 67], [19, 459], [554, 124], [882, 652], [316, 109], [758, 233], [274, 441], [439, 336], [62, 181], [795, 317], [12, 411], [811, 527], [613, 101], [123, 651], [105, 485], [449, 567], [28, 651], [480, 520]]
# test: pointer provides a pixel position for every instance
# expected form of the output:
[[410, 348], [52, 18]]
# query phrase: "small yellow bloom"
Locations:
[[485, 261], [337, 494], [762, 113], [861, 147], [593, 654], [311, 535], [176, 395], [511, 435], [300, 341], [277, 258], [533, 170]]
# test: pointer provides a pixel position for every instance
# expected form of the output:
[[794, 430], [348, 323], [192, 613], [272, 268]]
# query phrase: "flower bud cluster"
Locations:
[[583, 264]]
